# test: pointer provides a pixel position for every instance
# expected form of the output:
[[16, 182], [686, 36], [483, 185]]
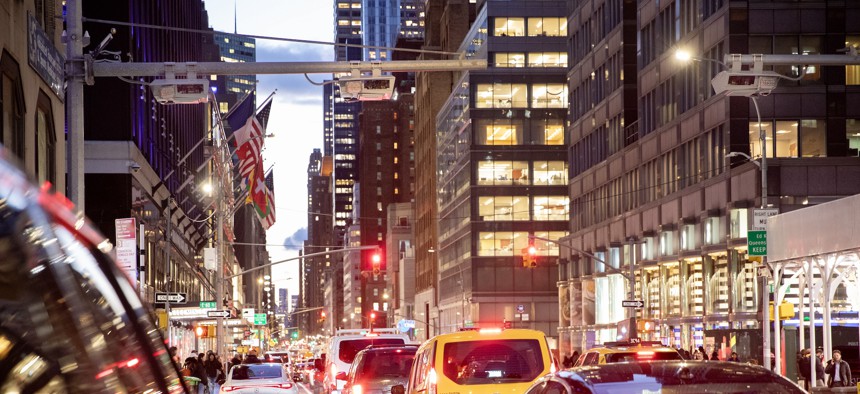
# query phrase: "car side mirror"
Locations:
[[340, 376], [398, 389]]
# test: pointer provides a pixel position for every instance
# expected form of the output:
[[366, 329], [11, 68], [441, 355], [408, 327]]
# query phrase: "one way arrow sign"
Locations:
[[218, 313], [632, 303], [173, 298]]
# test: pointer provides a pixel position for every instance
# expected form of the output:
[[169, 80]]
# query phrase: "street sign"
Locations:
[[207, 304], [173, 298], [632, 303], [218, 313], [259, 319], [521, 308], [760, 217], [757, 243]]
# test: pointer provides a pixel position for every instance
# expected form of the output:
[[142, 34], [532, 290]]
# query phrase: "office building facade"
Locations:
[[663, 194], [503, 171]]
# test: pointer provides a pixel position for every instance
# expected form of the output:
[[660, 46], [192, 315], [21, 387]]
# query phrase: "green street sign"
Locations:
[[259, 319], [757, 243], [207, 304]]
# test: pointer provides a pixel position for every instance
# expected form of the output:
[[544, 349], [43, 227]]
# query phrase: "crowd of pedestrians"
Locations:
[[208, 369]]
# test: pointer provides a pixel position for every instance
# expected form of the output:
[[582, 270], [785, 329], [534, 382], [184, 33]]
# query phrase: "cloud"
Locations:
[[295, 241]]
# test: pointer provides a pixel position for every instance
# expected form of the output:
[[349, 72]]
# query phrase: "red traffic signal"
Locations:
[[376, 262], [201, 331], [530, 257], [532, 250], [372, 315], [322, 315]]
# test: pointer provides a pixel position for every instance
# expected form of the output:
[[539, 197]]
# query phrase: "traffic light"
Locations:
[[322, 315], [376, 262], [201, 332], [530, 257]]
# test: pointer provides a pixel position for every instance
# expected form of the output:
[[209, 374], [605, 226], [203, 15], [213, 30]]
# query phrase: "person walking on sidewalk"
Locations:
[[839, 371]]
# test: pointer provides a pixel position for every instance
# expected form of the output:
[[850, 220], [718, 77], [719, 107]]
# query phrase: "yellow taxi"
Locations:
[[633, 350], [480, 361]]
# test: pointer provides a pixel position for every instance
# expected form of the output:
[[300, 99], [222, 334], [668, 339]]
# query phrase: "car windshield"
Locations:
[[256, 371], [389, 364], [349, 348], [644, 355], [493, 361], [680, 377]]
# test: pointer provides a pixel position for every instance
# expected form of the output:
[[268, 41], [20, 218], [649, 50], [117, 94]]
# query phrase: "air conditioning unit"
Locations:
[[180, 91], [366, 88]]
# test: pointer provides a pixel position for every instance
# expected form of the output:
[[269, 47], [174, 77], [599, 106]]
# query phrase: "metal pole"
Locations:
[[777, 342], [219, 264], [631, 281], [169, 246], [793, 60], [75, 100], [765, 296], [809, 282]]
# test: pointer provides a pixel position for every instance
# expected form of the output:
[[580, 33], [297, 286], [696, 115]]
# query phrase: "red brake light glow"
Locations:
[[645, 355]]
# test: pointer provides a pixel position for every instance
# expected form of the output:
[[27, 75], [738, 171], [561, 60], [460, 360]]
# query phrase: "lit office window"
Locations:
[[510, 59], [552, 27], [547, 59], [514, 27], [501, 95], [498, 131], [549, 95], [494, 208]]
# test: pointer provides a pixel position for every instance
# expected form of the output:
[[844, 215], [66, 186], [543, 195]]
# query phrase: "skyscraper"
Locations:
[[235, 49]]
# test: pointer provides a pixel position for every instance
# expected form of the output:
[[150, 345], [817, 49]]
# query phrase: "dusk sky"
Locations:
[[296, 117]]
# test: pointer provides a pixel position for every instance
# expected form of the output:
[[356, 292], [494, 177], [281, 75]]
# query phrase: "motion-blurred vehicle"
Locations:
[[345, 344], [377, 369], [667, 377], [617, 352], [480, 361], [70, 319], [280, 356], [266, 378]]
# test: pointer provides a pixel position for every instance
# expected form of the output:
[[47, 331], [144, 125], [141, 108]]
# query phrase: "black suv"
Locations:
[[377, 368]]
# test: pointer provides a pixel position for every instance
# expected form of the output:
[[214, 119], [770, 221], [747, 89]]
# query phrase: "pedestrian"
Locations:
[[251, 358], [236, 360], [734, 357], [839, 371], [697, 355], [805, 366], [174, 356], [715, 356], [193, 364], [702, 352], [213, 369]]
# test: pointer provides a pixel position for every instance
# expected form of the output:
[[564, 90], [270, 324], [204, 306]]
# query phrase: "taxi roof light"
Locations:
[[490, 330]]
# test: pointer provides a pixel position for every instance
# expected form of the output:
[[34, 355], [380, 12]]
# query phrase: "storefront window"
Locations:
[[495, 208], [551, 207], [551, 27], [695, 289], [716, 270], [509, 27], [498, 131], [501, 95], [745, 290], [688, 237], [609, 292], [667, 243], [547, 59], [550, 172], [504, 59], [652, 293], [549, 95], [672, 289]]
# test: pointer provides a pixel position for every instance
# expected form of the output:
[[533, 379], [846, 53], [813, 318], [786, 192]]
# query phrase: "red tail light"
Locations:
[[645, 355]]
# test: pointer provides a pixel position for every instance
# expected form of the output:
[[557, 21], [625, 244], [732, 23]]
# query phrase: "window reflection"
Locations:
[[501, 95], [501, 243], [550, 173], [547, 59], [503, 172], [550, 95], [509, 27], [510, 59], [503, 208], [551, 207]]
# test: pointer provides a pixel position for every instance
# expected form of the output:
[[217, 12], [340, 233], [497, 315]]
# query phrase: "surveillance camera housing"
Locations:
[[366, 88], [135, 167], [745, 82], [180, 91]]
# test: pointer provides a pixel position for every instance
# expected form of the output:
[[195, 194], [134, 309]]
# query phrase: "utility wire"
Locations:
[[259, 37]]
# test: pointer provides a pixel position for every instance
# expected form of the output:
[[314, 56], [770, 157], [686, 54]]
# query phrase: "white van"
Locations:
[[345, 344]]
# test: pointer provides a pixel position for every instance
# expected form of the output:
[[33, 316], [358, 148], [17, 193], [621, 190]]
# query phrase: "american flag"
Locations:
[[249, 140]]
